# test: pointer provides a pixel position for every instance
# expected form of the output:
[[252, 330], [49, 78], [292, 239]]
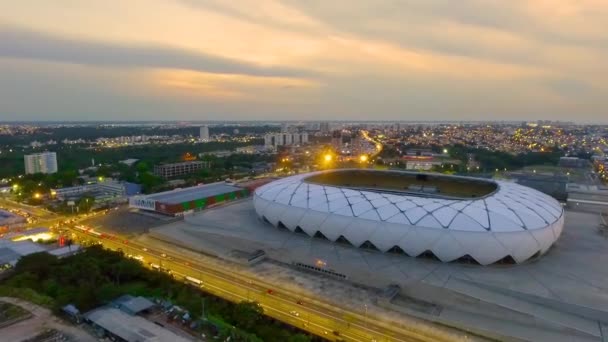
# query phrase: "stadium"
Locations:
[[448, 217]]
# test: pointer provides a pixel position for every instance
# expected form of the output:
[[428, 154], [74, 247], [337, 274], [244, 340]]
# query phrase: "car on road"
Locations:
[[163, 255], [270, 291], [294, 313], [136, 257], [300, 302], [144, 249]]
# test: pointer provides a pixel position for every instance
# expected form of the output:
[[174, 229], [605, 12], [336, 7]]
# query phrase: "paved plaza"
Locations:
[[561, 296], [573, 271]]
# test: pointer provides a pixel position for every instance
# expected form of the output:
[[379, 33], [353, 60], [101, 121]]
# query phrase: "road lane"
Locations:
[[279, 304]]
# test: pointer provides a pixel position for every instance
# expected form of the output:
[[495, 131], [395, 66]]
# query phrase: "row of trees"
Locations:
[[97, 276]]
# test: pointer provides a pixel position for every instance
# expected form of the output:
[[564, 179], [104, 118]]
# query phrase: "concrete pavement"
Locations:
[[329, 322]]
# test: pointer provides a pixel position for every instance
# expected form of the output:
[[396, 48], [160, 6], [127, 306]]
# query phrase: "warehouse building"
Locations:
[[182, 201], [121, 321]]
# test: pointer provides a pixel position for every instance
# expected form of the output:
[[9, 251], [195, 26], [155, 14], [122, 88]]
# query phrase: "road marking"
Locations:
[[308, 322], [240, 283]]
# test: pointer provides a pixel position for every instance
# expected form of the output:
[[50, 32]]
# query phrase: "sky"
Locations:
[[304, 60]]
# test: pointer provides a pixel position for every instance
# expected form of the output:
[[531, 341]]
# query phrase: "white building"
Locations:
[[285, 139], [425, 165], [324, 127], [45, 162], [204, 133], [504, 222], [102, 191]]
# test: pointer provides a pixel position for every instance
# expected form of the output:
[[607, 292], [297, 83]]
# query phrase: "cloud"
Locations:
[[16, 43], [313, 59], [222, 87]]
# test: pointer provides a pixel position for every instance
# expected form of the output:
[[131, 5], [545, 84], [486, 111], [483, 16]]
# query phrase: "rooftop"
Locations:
[[413, 183], [130, 328], [190, 194], [133, 304], [11, 252], [8, 216]]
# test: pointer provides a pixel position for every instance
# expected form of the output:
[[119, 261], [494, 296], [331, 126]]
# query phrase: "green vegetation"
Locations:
[[97, 276], [73, 157], [27, 294], [70, 158], [492, 160]]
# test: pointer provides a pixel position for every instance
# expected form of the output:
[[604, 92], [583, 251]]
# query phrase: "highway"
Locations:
[[307, 314], [378, 145]]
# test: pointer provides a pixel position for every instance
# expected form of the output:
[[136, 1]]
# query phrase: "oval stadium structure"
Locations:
[[416, 213]]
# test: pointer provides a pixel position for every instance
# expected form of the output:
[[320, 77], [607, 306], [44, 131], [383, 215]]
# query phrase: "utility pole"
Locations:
[[203, 309]]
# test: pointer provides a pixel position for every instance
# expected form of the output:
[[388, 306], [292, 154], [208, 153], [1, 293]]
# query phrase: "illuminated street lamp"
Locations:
[[363, 158], [37, 196], [327, 157]]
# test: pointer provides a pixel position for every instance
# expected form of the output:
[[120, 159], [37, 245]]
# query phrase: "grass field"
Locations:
[[407, 182]]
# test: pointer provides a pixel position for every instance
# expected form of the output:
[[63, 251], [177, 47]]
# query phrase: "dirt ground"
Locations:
[[42, 319]]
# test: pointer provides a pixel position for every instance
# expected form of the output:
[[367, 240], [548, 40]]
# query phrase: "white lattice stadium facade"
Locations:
[[511, 222]]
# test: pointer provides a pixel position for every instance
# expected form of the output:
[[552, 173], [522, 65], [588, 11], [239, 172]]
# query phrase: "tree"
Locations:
[[142, 167], [247, 314], [298, 338], [85, 203], [148, 181], [38, 264], [125, 270]]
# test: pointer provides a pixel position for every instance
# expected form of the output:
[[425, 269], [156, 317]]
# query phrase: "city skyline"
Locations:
[[290, 60]]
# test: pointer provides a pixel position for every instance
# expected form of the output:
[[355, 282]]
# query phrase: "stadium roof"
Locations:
[[514, 221], [193, 193]]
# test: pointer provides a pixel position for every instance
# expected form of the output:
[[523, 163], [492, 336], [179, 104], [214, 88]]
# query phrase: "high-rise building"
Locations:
[[324, 127], [336, 140], [204, 134], [285, 139], [45, 162], [357, 144]]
